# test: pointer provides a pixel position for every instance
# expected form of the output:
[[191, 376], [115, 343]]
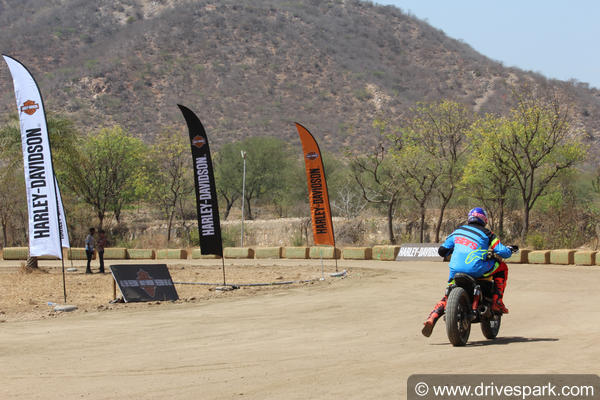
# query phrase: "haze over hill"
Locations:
[[251, 67]]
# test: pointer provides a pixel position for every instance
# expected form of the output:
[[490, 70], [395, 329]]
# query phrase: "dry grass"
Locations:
[[26, 292]]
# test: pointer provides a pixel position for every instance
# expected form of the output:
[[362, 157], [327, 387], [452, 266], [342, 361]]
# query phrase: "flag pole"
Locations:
[[60, 237], [223, 261]]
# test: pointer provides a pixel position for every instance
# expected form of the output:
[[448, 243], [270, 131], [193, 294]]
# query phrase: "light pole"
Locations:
[[243, 196]]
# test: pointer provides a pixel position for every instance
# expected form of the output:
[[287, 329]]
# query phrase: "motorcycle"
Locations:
[[470, 302]]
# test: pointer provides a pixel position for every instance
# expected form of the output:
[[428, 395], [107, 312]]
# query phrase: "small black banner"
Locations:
[[148, 282], [209, 225]]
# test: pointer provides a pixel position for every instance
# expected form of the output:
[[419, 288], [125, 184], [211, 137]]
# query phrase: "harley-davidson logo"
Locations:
[[198, 141], [312, 155], [146, 282], [30, 107]]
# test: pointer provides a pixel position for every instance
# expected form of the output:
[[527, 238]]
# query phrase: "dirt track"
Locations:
[[358, 338]]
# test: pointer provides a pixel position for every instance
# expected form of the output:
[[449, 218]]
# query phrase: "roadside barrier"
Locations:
[[385, 253], [197, 255], [324, 252], [267, 252], [379, 253], [78, 253], [115, 253], [238, 252], [141, 254], [15, 253], [563, 256], [296, 252], [171, 254], [584, 257], [357, 253], [519, 258], [539, 257]]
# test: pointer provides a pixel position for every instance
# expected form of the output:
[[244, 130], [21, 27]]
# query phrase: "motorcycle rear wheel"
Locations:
[[458, 317], [491, 327]]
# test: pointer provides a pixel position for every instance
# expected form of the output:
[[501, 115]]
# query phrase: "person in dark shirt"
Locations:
[[100, 247]]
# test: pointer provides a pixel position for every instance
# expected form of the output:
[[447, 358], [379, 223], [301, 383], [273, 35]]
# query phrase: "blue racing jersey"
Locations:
[[469, 245]]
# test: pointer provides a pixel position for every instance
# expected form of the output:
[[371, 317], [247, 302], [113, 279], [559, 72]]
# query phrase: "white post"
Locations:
[[243, 197]]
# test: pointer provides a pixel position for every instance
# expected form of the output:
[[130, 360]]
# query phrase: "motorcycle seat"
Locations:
[[465, 277]]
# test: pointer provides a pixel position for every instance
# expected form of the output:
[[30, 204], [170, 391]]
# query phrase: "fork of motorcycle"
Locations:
[[476, 298]]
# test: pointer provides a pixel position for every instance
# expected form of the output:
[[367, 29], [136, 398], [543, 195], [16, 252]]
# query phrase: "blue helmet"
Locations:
[[479, 215]]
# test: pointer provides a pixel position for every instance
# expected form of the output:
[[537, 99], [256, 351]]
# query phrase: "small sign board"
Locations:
[[144, 282], [419, 252]]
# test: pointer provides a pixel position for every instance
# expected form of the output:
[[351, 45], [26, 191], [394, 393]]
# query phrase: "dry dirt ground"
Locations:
[[352, 338]]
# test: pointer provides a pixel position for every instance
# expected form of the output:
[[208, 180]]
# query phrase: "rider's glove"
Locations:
[[513, 249]]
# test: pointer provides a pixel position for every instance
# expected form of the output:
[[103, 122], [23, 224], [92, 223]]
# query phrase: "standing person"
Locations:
[[100, 247], [89, 249]]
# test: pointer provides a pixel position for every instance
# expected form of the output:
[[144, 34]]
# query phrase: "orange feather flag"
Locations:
[[320, 211]]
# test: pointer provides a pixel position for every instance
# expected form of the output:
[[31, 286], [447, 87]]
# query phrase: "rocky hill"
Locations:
[[250, 67]]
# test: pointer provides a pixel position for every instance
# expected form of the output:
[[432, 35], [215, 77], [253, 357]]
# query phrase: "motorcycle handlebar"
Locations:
[[513, 249]]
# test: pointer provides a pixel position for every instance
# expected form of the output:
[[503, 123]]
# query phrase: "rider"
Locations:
[[469, 246]]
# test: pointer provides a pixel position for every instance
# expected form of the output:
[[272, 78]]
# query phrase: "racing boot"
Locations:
[[437, 312], [497, 303]]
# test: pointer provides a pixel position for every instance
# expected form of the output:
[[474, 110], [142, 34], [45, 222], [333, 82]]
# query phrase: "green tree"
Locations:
[[441, 130], [106, 171], [487, 176], [272, 173], [269, 165], [420, 175], [538, 146], [12, 194], [292, 188], [13, 212], [170, 173], [228, 174]]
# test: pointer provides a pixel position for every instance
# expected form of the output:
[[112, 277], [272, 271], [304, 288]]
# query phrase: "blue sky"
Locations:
[[558, 39]]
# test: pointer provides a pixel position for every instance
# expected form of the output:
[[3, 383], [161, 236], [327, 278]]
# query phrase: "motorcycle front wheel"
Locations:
[[458, 317]]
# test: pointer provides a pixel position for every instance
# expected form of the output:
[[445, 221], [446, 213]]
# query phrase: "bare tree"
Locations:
[[348, 203], [378, 176], [441, 129], [421, 175], [171, 173]]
